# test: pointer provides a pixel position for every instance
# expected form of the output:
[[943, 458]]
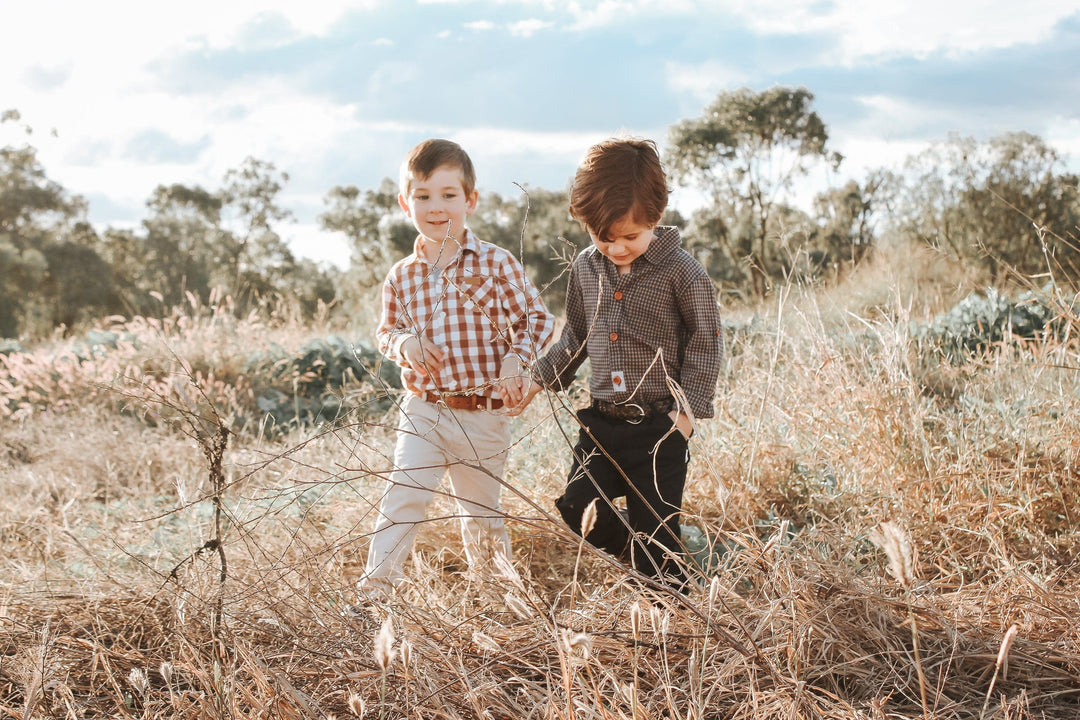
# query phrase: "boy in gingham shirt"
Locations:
[[462, 319], [644, 312]]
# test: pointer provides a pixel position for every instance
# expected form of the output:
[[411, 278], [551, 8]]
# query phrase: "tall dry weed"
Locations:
[[826, 427]]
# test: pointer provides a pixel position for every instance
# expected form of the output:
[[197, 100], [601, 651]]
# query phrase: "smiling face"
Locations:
[[438, 204], [626, 241]]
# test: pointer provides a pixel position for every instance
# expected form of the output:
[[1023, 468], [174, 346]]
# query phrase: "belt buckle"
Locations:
[[641, 416]]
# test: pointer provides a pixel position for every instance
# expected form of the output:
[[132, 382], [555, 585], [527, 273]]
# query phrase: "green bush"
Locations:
[[322, 381], [982, 320]]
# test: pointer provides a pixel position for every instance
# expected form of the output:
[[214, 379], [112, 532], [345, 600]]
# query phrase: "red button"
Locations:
[[618, 295], [613, 337]]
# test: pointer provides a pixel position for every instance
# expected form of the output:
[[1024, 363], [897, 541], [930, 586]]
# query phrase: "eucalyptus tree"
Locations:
[[45, 244], [184, 249], [745, 152], [1008, 205], [260, 261], [374, 226]]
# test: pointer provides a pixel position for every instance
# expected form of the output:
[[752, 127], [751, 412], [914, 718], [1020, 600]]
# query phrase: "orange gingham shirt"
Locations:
[[479, 309]]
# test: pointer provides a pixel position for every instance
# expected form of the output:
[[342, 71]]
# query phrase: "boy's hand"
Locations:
[[531, 389], [682, 423], [512, 383], [422, 355]]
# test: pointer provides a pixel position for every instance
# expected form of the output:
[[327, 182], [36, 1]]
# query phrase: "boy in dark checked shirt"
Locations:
[[644, 311]]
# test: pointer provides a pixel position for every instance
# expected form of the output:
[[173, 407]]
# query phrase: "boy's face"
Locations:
[[626, 241], [438, 205]]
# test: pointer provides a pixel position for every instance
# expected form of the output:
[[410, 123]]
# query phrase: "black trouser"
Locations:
[[651, 481]]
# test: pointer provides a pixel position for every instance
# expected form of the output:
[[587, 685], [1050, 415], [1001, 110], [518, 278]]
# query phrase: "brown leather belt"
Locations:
[[464, 402]]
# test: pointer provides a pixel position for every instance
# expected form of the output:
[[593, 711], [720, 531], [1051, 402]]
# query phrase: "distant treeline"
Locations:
[[1007, 206]]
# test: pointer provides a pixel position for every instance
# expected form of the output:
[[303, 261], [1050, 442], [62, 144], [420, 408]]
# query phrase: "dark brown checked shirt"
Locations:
[[656, 323]]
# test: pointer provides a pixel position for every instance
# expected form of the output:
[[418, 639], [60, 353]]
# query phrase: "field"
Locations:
[[894, 535]]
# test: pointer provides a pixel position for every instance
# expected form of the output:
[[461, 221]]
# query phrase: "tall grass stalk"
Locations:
[[829, 421]]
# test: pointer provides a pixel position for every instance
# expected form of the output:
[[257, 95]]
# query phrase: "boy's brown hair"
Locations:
[[428, 156], [618, 177]]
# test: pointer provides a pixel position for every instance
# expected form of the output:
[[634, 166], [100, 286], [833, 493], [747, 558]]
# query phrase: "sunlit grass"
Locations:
[[829, 423]]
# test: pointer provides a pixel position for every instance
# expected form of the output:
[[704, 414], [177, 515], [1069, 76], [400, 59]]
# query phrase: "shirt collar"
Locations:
[[470, 244], [666, 241]]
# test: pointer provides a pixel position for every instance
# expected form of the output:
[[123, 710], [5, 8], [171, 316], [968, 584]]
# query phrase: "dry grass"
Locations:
[[112, 602]]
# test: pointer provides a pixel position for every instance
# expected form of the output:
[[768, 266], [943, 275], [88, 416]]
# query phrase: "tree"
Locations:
[[745, 151], [78, 284], [21, 272], [1005, 205], [185, 249], [258, 258], [377, 231], [844, 222], [35, 213]]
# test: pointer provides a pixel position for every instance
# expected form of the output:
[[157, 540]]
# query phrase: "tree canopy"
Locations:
[[745, 151], [1008, 206]]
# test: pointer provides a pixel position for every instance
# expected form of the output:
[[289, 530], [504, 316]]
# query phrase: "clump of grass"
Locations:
[[824, 430]]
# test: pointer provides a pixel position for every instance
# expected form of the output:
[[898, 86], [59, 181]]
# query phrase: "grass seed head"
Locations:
[[384, 645], [580, 643], [518, 606], [485, 642], [356, 705], [894, 542], [714, 591], [1003, 653], [588, 518], [137, 679], [166, 671]]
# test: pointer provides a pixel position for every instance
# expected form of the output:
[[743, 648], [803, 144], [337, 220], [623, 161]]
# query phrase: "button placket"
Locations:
[[618, 313]]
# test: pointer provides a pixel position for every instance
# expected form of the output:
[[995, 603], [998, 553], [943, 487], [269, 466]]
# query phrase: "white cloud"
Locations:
[[310, 241], [1063, 134], [605, 12], [506, 156], [528, 28], [480, 25], [499, 141], [276, 124], [704, 80], [890, 118], [917, 27]]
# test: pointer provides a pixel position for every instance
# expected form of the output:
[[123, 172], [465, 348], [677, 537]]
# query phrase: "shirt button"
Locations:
[[613, 337], [618, 295]]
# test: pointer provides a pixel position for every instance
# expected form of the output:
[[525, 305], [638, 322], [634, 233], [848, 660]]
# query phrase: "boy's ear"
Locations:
[[470, 203], [404, 204]]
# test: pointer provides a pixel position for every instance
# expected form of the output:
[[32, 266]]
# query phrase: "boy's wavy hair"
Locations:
[[428, 156], [618, 177]]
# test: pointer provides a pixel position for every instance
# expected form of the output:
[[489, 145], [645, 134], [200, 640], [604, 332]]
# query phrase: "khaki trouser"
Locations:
[[431, 440]]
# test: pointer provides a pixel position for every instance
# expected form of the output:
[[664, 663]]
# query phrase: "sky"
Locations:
[[123, 96]]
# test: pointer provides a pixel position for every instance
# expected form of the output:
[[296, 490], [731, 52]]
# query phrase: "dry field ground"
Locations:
[[895, 536]]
